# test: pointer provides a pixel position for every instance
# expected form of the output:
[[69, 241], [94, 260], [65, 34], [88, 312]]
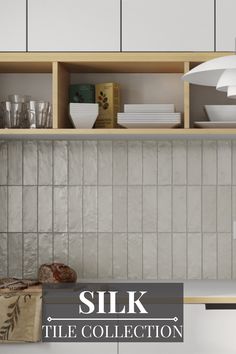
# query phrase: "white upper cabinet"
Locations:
[[225, 25], [168, 25], [74, 25], [12, 25]]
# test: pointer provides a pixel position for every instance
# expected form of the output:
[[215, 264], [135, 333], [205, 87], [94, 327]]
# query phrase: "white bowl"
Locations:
[[83, 115], [221, 113]]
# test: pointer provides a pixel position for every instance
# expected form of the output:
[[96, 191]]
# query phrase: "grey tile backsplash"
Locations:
[[119, 209]]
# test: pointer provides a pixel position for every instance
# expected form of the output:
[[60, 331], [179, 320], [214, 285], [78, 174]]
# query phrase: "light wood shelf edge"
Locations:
[[117, 132], [209, 300], [186, 98]]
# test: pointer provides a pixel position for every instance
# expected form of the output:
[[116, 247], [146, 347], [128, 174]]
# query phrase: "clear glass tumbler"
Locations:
[[13, 114], [37, 113]]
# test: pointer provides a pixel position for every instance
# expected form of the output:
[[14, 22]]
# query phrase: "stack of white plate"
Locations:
[[149, 116]]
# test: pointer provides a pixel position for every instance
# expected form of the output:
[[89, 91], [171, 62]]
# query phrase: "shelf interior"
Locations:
[[66, 68]]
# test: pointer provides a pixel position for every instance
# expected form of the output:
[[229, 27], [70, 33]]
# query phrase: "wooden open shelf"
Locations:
[[61, 65]]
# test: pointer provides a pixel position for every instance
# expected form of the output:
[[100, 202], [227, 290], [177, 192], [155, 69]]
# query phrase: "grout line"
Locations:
[[112, 214], [68, 202], [127, 234], [82, 226], [22, 211], [97, 213], [7, 189], [232, 215], [142, 210], [157, 225], [37, 198], [217, 192], [186, 234], [53, 185], [172, 210], [202, 250]]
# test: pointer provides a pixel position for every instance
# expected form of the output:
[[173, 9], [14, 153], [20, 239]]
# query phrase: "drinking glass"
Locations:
[[13, 114], [37, 114]]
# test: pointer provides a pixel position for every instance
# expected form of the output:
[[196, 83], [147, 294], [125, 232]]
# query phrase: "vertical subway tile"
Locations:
[[120, 209], [60, 162], [75, 208], [3, 209], [224, 209], [90, 209], [14, 163], [90, 162], [164, 256], [194, 162], [30, 266], [164, 209], [179, 162], [224, 162], [134, 209], [149, 162], [105, 255], [194, 208], [209, 162], [15, 255], [234, 162], [105, 209], [179, 256], [60, 212], [76, 253], [3, 255], [150, 256], [75, 162], [45, 248], [104, 162], [234, 259], [194, 259], [120, 255], [44, 209], [179, 209], [45, 163], [233, 204], [164, 163], [149, 209], [90, 252], [120, 162], [14, 209], [60, 248], [3, 163], [30, 209], [209, 209], [134, 162], [30, 163], [209, 256], [224, 255], [135, 256]]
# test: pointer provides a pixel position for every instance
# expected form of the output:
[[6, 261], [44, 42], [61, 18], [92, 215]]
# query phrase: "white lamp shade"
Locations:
[[209, 72], [227, 79], [231, 92]]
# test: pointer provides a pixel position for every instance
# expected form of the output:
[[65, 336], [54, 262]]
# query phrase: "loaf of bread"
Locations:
[[56, 273]]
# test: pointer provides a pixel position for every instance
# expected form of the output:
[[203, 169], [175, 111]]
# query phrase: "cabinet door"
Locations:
[[205, 332], [12, 25], [225, 25], [74, 25], [168, 25]]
